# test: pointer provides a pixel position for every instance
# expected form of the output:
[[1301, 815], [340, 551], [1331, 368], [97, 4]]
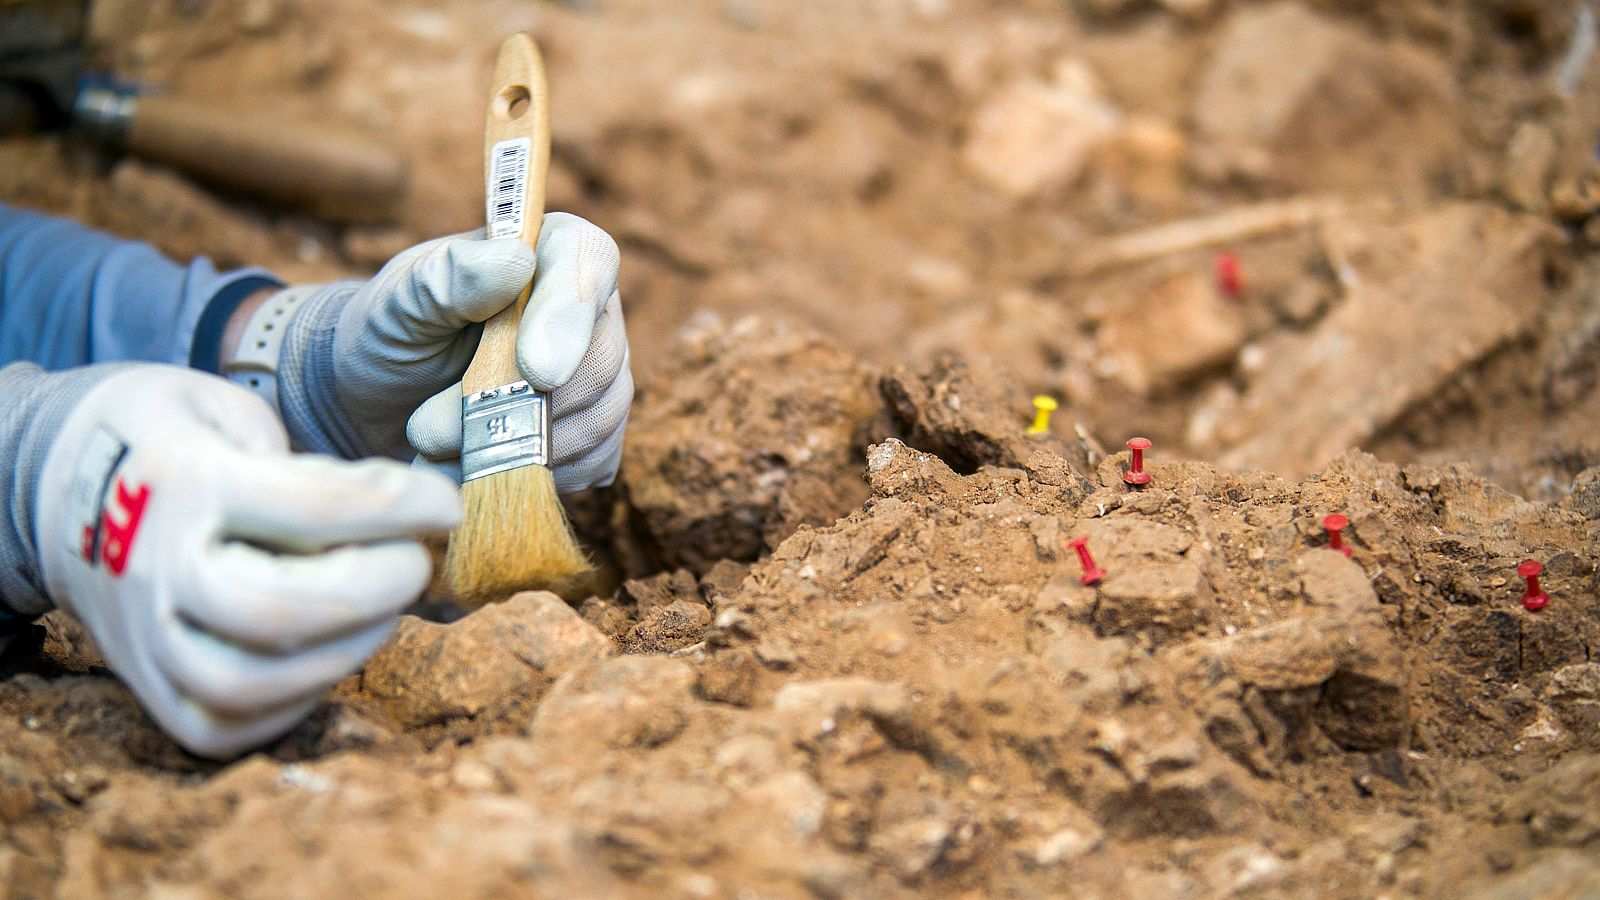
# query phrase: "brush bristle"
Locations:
[[513, 537]]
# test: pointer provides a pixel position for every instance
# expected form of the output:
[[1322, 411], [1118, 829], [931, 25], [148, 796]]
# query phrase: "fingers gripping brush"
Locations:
[[513, 534]]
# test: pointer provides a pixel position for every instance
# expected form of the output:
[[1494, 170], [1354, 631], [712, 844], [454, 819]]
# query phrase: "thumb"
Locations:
[[578, 268], [310, 503], [440, 288]]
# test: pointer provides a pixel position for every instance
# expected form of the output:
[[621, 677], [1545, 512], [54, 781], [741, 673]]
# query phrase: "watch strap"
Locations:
[[255, 364]]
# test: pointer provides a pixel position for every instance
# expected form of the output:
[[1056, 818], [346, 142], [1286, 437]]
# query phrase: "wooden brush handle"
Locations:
[[333, 174], [519, 109]]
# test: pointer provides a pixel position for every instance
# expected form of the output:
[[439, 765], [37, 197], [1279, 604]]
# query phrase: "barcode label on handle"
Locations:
[[508, 186]]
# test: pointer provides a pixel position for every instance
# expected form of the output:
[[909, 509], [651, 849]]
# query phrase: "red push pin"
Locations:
[[1334, 524], [1091, 572], [1229, 281], [1532, 598], [1136, 475]]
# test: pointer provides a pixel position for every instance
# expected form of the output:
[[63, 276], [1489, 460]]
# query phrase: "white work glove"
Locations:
[[229, 583], [362, 357]]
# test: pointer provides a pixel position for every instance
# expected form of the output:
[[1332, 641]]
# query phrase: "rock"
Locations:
[[1258, 691], [1169, 781], [660, 590], [1157, 601], [497, 659], [668, 628], [1190, 9], [629, 701], [1305, 100], [1137, 540], [1585, 496], [894, 469], [749, 431], [1146, 162], [1557, 806], [148, 817], [1279, 657], [1575, 198], [1366, 704], [257, 17], [1530, 166], [1145, 359], [607, 617], [732, 676], [1269, 62], [1567, 873], [1546, 643], [1337, 665], [910, 848], [962, 411], [1029, 339], [1470, 270], [68, 644], [722, 581], [810, 711], [1109, 8], [1334, 585], [1064, 845], [349, 729], [1246, 870], [1066, 593], [1574, 693], [1036, 135]]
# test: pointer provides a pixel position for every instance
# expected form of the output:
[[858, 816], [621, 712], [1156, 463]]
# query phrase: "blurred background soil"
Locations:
[[843, 650]]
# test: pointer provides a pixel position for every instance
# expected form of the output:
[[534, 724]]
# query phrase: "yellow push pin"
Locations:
[[1043, 406]]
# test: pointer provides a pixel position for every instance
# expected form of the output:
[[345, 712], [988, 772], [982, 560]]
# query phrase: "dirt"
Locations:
[[845, 649]]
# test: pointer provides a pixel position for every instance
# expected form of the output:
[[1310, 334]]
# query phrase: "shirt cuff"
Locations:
[[307, 387]]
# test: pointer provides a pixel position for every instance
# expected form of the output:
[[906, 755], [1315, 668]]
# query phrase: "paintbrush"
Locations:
[[513, 534]]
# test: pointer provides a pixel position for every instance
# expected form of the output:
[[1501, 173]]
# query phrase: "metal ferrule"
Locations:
[[104, 112], [504, 428]]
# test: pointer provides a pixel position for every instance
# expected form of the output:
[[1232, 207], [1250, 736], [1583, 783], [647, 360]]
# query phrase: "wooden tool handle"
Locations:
[[336, 175], [519, 116]]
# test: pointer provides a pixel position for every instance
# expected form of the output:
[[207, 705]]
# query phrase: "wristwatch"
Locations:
[[255, 363]]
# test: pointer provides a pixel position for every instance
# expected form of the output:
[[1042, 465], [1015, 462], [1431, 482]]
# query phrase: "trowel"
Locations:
[[44, 86]]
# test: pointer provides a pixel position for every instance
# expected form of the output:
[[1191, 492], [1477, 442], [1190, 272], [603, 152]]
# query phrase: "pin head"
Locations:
[[1229, 280], [1043, 405], [1136, 475], [1533, 598], [1334, 523]]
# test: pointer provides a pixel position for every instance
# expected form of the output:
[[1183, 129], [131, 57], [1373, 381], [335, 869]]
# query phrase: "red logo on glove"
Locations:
[[117, 537]]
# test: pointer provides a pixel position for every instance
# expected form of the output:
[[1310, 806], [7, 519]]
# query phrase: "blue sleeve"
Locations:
[[70, 296]]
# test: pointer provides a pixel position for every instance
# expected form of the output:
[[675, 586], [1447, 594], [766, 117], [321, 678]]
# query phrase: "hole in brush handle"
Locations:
[[512, 102]]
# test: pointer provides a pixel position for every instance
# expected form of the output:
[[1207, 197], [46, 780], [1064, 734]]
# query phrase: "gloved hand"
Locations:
[[229, 583], [360, 358]]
